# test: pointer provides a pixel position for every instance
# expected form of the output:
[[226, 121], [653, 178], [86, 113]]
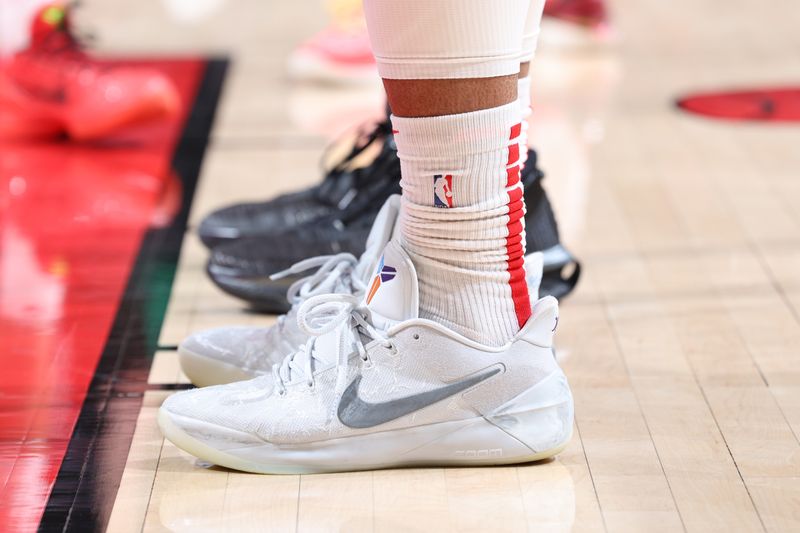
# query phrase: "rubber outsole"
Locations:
[[205, 371], [262, 294], [186, 442]]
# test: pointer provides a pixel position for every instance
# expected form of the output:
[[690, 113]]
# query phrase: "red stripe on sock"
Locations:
[[513, 163], [519, 291], [516, 214], [515, 249], [519, 263], [512, 176], [515, 195], [513, 155], [514, 240]]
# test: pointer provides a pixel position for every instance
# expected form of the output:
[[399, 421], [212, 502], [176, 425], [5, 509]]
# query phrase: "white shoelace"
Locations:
[[333, 272], [323, 314]]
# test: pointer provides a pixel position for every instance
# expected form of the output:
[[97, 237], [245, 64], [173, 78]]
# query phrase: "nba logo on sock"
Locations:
[[442, 190]]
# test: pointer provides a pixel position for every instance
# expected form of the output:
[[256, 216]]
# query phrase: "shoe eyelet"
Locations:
[[416, 336], [311, 385]]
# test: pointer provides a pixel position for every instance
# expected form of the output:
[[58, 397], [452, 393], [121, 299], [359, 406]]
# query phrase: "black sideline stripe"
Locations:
[[86, 486]]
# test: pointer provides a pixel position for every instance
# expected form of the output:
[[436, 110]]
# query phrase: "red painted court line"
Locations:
[[768, 104], [72, 220]]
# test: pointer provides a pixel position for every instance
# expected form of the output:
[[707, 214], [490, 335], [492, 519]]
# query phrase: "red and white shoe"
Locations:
[[53, 87], [576, 23], [335, 55]]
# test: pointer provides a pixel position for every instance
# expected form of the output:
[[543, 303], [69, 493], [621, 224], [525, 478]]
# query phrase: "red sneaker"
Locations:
[[767, 104], [335, 55], [576, 23], [53, 87], [587, 13]]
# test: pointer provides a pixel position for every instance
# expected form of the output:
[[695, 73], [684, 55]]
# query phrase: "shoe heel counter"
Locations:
[[540, 417], [543, 323]]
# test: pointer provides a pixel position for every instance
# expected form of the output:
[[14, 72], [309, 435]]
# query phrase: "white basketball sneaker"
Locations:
[[375, 386], [235, 353]]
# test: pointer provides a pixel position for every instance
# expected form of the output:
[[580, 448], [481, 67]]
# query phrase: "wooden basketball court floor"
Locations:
[[682, 342]]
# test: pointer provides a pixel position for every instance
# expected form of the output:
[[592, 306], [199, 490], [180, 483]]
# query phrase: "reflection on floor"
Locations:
[[73, 217]]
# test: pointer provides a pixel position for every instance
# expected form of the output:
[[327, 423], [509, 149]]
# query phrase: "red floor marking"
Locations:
[[762, 105], [71, 221]]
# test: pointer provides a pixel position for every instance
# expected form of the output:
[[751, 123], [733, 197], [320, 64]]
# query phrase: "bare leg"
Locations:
[[430, 98], [451, 73]]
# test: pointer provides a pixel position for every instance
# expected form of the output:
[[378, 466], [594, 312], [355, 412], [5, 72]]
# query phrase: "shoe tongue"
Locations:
[[393, 293], [392, 296], [382, 230]]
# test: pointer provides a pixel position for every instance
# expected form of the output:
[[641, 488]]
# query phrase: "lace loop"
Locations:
[[320, 315], [332, 271]]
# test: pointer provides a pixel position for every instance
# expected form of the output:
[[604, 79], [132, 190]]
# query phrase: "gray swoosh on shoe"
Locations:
[[356, 413]]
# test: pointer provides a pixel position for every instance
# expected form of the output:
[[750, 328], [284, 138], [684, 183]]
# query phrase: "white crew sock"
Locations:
[[524, 102], [462, 219]]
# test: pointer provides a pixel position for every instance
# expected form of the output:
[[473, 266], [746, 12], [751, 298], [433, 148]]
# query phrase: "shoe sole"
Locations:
[[205, 371], [212, 239], [561, 272], [261, 294], [495, 439]]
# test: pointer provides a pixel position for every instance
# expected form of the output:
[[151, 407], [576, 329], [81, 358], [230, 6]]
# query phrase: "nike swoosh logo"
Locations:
[[356, 413]]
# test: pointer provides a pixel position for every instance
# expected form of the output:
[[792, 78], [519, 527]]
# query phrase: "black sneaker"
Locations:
[[342, 185], [243, 268], [561, 269]]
